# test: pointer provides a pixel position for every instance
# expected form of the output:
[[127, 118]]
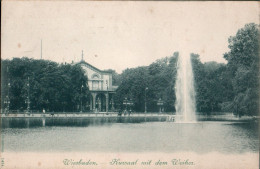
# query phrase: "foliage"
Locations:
[[52, 86], [232, 87], [243, 67], [132, 87], [211, 85], [116, 78]]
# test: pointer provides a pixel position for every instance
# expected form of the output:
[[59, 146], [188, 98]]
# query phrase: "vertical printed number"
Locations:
[[2, 162]]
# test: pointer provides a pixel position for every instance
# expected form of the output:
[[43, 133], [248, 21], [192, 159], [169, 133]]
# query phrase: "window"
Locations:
[[95, 76], [95, 84]]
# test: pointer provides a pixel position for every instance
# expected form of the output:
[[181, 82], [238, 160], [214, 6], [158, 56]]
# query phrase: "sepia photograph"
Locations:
[[129, 84]]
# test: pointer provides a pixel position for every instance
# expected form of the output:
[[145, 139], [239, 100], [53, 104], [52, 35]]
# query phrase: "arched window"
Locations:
[[95, 76]]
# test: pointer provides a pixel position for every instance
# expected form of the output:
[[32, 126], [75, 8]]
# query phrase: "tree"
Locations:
[[116, 78], [53, 86], [159, 78], [243, 66], [134, 82]]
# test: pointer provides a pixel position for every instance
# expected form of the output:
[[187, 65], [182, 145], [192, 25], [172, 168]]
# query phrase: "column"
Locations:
[[112, 101], [94, 100], [90, 104], [107, 99]]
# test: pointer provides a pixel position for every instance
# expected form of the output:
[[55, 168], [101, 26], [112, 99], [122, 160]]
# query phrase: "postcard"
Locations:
[[129, 84]]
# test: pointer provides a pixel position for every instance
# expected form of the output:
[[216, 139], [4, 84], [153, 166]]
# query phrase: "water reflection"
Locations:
[[42, 122], [126, 134]]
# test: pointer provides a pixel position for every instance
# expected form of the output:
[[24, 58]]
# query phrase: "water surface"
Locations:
[[201, 137]]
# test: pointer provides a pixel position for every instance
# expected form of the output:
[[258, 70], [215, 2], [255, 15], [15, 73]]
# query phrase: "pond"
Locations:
[[136, 136]]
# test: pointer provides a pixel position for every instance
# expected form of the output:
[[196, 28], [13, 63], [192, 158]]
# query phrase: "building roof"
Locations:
[[93, 67], [111, 88]]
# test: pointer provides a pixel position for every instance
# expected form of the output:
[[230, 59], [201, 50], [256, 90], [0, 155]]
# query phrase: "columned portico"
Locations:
[[100, 101], [100, 86]]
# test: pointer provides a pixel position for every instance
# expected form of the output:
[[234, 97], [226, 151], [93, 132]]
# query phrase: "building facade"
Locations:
[[101, 88]]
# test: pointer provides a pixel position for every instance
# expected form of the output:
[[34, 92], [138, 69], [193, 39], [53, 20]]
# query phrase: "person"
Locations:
[[43, 111]]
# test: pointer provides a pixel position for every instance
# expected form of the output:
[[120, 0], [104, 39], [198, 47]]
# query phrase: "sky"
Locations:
[[119, 35]]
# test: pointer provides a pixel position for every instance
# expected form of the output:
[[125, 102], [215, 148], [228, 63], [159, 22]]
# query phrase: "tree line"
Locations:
[[50, 86], [231, 87]]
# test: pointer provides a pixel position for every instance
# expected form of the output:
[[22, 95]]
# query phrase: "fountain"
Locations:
[[184, 90]]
